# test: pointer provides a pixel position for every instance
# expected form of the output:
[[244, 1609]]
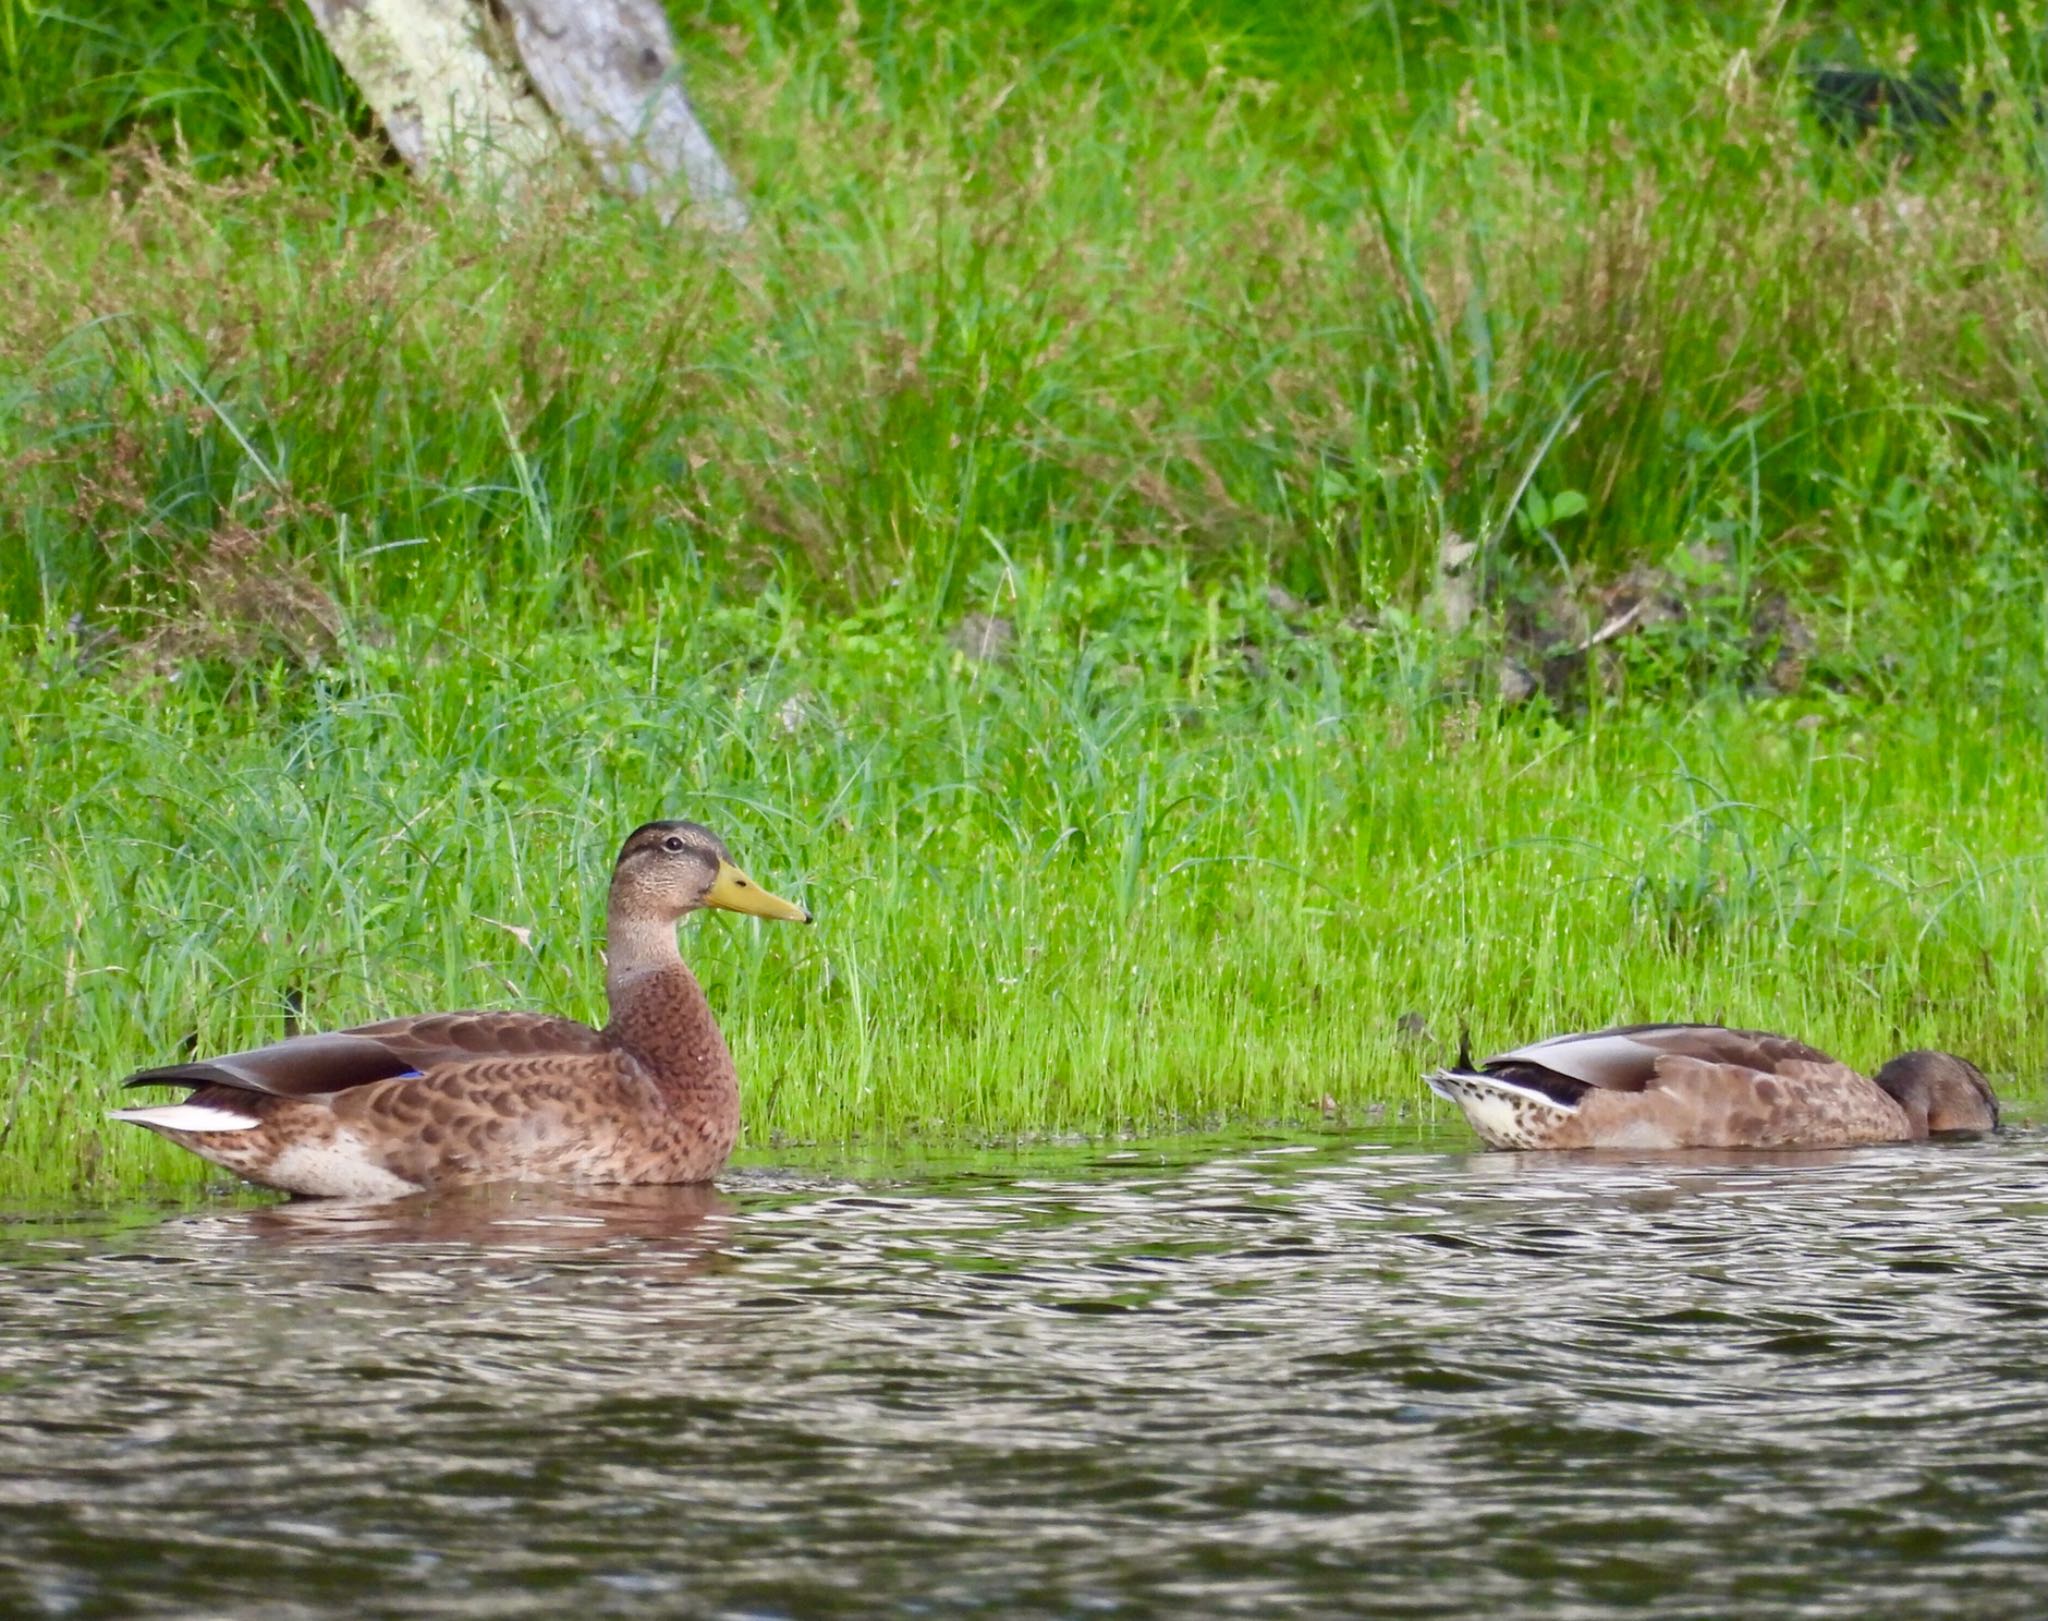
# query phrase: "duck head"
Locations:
[[1940, 1092], [666, 870]]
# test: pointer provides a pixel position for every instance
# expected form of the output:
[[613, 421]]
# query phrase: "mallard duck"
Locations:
[[445, 1099], [1706, 1086]]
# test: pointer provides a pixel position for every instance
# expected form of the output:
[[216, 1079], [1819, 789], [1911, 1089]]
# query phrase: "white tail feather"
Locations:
[[186, 1117], [1506, 1113]]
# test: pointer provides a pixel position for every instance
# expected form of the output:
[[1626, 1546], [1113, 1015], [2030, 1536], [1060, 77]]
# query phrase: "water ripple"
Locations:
[[1348, 1380]]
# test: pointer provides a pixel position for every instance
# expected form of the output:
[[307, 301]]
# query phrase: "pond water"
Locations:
[[1344, 1377]]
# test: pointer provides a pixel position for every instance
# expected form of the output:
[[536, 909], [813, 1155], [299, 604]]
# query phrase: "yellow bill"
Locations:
[[733, 891]]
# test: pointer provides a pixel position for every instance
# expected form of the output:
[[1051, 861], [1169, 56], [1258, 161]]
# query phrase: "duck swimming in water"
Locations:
[[445, 1099], [1707, 1086]]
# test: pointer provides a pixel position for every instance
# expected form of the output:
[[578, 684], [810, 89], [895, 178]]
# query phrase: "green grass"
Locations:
[[1116, 883], [368, 566]]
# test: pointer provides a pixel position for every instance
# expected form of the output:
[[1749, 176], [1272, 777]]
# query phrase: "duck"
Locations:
[[440, 1100], [1709, 1086]]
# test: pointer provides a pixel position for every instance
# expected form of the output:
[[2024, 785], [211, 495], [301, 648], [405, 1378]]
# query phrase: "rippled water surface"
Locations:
[[1342, 1378]]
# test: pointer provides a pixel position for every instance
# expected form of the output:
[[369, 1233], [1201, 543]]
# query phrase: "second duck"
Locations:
[[1707, 1086]]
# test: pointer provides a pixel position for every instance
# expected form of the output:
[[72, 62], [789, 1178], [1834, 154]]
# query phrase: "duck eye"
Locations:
[[672, 843]]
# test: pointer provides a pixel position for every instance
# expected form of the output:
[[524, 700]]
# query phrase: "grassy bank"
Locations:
[[371, 565], [1088, 888]]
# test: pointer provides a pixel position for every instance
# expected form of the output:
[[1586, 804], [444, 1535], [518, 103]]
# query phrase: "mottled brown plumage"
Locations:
[[1705, 1086], [446, 1099]]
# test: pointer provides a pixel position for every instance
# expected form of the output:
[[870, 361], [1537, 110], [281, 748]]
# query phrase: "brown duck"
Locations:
[[1706, 1086], [444, 1099]]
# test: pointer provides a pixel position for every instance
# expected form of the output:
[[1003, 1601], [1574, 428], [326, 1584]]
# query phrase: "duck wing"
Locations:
[[338, 1060], [1694, 1102], [1635, 1057], [575, 1116]]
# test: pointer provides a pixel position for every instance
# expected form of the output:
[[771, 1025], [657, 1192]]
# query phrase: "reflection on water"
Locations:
[[1337, 1379], [504, 1222]]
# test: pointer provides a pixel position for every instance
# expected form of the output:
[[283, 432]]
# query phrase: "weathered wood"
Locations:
[[608, 70], [493, 92], [448, 101]]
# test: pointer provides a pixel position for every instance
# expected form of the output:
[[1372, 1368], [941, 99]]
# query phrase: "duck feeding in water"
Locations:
[[446, 1099], [1706, 1086]]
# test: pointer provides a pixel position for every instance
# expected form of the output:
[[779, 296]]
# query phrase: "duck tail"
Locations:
[[1506, 1113], [186, 1117]]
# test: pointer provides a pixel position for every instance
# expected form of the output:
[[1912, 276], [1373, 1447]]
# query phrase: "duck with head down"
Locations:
[[1706, 1086], [445, 1099]]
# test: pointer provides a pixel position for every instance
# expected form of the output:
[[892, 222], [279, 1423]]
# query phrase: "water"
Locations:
[[1335, 1379]]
